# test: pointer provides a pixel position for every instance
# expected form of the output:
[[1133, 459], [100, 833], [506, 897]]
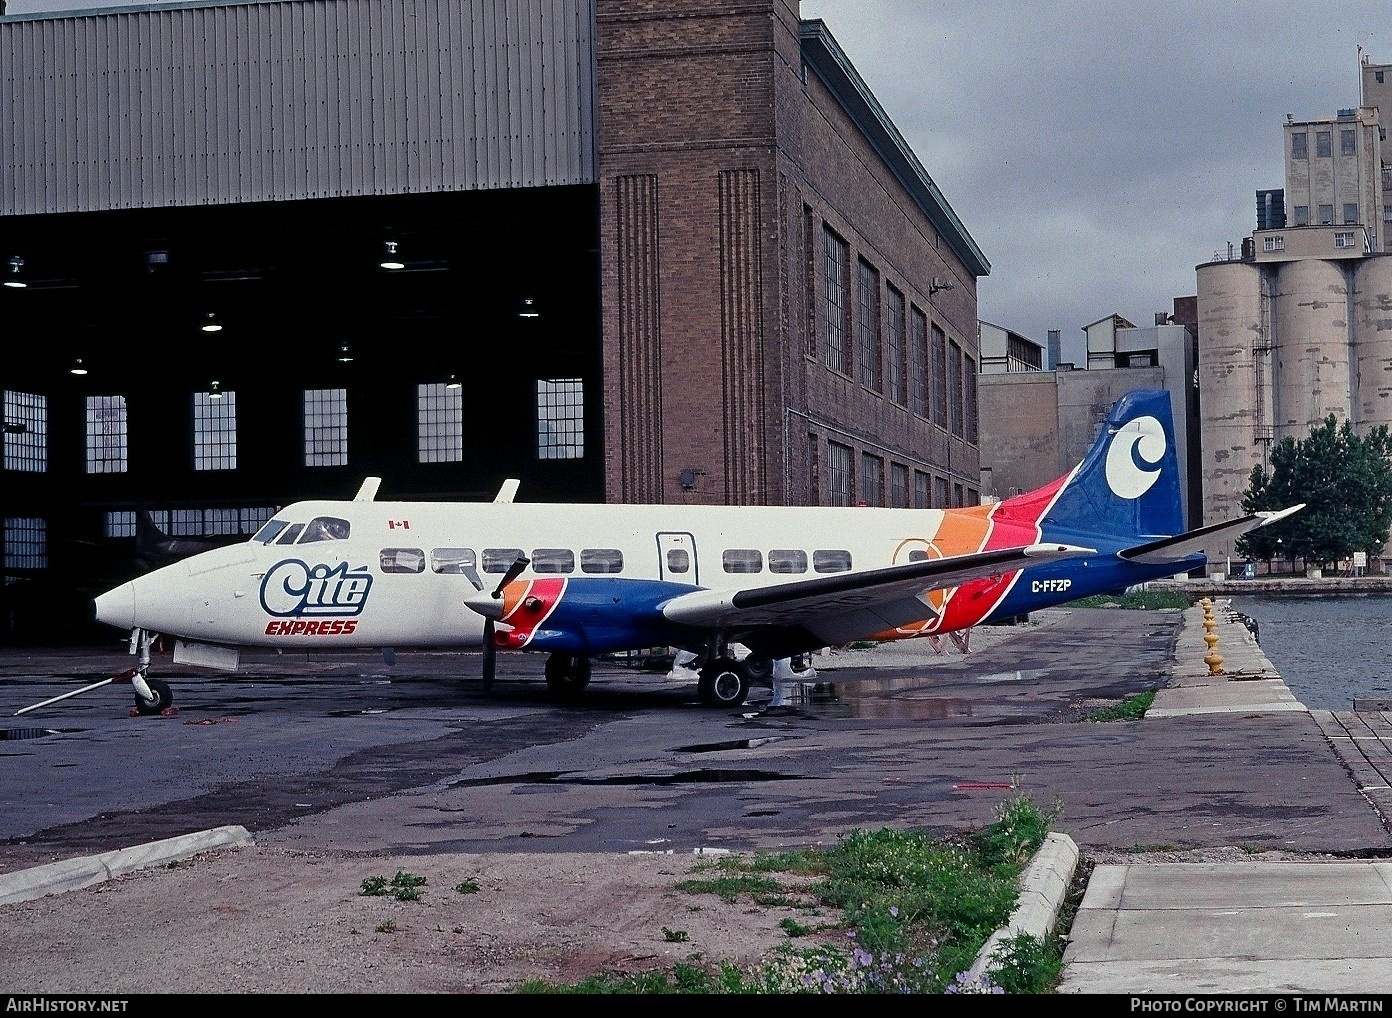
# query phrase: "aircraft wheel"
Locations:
[[164, 698], [723, 684], [567, 674], [759, 669]]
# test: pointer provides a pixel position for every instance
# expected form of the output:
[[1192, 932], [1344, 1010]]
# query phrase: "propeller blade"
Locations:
[[489, 655], [514, 571]]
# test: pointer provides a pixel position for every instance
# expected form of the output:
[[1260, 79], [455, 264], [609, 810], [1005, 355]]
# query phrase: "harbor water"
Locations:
[[1330, 649]]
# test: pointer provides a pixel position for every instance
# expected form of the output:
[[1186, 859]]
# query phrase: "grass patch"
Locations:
[[1144, 600], [1133, 708], [913, 912]]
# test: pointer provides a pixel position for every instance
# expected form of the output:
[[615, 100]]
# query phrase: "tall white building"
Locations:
[[1299, 326]]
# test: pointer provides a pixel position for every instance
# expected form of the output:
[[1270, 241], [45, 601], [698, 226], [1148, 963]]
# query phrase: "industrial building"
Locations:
[[1298, 325], [258, 251]]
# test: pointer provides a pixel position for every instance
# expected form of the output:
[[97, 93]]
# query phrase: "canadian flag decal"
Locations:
[[398, 524]]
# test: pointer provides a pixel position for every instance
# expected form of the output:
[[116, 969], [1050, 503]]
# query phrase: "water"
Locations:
[[1329, 649]]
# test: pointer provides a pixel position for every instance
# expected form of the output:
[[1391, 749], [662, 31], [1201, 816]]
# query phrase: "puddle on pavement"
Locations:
[[713, 776], [8, 734]]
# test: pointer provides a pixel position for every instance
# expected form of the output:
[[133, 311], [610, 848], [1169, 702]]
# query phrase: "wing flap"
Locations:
[[1175, 549], [868, 601]]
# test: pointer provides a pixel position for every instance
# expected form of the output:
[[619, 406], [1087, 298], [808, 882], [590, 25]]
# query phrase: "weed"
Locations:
[[1143, 600], [674, 936], [1133, 708], [403, 887], [387, 927], [467, 887], [913, 914]]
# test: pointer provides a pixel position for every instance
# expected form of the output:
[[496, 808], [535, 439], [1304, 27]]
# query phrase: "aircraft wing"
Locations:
[[841, 607], [1173, 549]]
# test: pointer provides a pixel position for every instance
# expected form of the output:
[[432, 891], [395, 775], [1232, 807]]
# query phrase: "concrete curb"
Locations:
[[71, 874], [1043, 888]]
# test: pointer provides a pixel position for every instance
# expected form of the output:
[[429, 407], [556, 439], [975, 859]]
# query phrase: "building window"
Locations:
[[939, 377], [918, 362], [106, 434], [26, 432], [838, 308], [969, 410], [1273, 243], [814, 469], [1343, 239], [215, 431], [439, 424], [26, 544], [1302, 215], [809, 279], [1322, 149], [871, 480], [1298, 149], [922, 492], [956, 404], [1347, 145], [898, 485], [560, 418], [1350, 212], [325, 427], [973, 497], [940, 493], [898, 352], [957, 502], [868, 325], [839, 468], [1326, 215]]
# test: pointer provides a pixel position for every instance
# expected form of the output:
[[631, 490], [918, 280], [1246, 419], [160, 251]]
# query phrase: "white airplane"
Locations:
[[578, 580]]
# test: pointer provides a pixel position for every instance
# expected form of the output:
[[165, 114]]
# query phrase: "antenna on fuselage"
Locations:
[[508, 491]]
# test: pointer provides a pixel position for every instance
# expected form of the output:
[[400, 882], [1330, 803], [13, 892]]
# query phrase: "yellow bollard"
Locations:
[[1213, 659]]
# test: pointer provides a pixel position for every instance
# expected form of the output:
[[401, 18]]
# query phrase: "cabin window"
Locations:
[[831, 561], [452, 560], [500, 560], [742, 560], [268, 533], [787, 560], [402, 560], [601, 560], [553, 560], [678, 560], [292, 532], [918, 555], [325, 528]]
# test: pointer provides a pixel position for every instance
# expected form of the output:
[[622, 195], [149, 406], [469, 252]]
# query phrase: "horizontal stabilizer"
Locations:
[[883, 589], [1175, 549]]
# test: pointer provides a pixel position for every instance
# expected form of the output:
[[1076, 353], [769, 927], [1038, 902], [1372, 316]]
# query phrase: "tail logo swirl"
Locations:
[[1134, 456]]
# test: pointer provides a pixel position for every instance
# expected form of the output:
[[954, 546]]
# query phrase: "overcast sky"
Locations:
[[1097, 152]]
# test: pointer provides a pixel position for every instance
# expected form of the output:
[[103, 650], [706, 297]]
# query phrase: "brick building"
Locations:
[[645, 252]]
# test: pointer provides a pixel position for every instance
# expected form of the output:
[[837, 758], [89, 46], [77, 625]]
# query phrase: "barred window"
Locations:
[[560, 418], [922, 490], [439, 423], [839, 467], [26, 432], [215, 431], [868, 325], [835, 255], [899, 486], [898, 353], [969, 409], [955, 403], [325, 427], [871, 479], [939, 377], [106, 434], [940, 493], [26, 543], [918, 360]]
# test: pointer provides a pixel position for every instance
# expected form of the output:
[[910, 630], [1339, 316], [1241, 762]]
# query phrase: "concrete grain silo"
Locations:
[[1311, 346], [1372, 342]]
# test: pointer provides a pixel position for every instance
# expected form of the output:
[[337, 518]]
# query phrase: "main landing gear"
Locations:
[[567, 674], [724, 682]]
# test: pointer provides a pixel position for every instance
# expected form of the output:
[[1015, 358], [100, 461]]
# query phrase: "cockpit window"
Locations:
[[325, 528], [268, 532], [291, 532]]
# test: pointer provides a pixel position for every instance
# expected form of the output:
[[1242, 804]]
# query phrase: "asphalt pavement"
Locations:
[[1292, 898]]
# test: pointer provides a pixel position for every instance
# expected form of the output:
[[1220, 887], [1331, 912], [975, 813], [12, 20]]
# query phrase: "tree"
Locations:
[[1345, 481]]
